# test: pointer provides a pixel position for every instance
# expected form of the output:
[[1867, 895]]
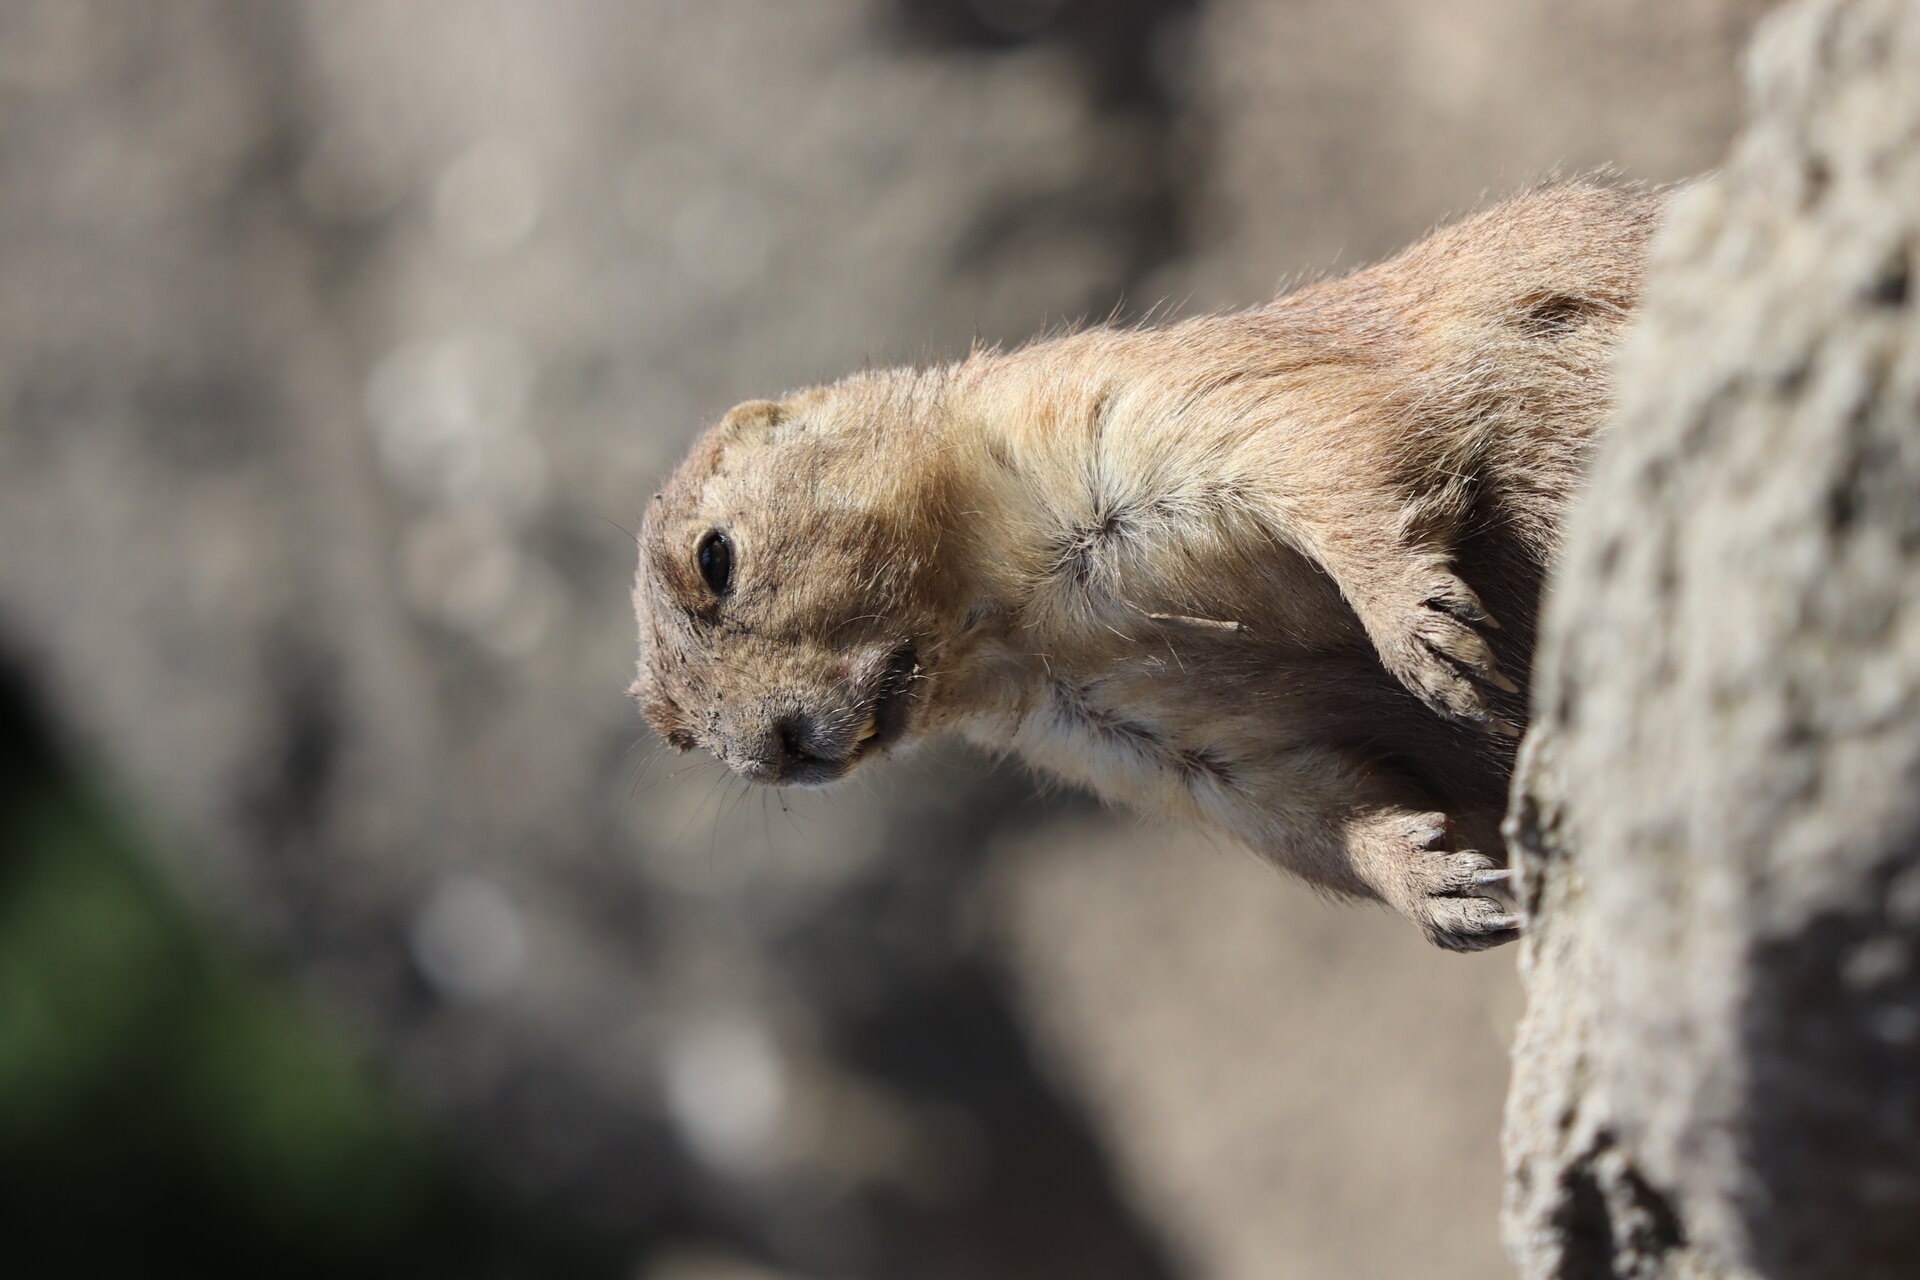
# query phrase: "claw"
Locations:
[[1498, 875], [1457, 599], [1502, 681], [1506, 728], [1503, 923]]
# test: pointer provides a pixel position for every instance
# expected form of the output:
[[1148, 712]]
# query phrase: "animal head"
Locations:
[[788, 601]]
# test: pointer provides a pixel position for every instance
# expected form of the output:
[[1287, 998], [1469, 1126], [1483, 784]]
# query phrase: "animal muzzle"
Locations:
[[799, 749], [814, 748]]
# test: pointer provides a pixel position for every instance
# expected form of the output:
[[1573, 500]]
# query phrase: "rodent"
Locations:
[[1275, 571]]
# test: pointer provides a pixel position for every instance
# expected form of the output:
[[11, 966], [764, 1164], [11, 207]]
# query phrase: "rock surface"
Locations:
[[1718, 1074]]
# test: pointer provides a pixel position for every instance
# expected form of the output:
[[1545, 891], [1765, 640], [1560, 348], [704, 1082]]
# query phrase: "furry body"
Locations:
[[1263, 571]]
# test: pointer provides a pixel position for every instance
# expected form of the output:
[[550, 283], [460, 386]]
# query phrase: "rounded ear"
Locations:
[[755, 417]]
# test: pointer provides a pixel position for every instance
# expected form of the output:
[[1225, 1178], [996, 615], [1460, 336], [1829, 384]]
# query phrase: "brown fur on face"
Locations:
[[802, 666], [1273, 571]]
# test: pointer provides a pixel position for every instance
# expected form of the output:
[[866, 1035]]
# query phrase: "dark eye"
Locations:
[[716, 562]]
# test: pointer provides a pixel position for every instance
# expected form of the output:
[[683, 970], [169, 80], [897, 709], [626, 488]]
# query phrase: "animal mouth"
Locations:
[[813, 755], [890, 708]]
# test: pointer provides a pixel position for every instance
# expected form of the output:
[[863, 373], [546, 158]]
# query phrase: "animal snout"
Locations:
[[796, 749]]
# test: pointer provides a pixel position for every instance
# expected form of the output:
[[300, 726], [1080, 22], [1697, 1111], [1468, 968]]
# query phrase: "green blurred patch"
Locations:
[[166, 1111]]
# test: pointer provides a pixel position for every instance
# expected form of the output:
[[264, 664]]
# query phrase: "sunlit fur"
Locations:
[[1231, 569]]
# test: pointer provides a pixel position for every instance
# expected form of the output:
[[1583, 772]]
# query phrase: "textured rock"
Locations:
[[1719, 1070]]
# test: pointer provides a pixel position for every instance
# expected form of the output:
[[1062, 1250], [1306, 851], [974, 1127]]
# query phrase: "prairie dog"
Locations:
[[1275, 572]]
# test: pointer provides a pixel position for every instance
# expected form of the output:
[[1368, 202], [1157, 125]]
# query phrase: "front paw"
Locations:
[[1460, 899], [1430, 638]]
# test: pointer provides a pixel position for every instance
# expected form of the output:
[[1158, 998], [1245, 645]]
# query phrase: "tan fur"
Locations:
[[1211, 570]]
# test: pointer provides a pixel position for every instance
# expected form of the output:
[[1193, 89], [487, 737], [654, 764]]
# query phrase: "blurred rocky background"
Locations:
[[350, 923]]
